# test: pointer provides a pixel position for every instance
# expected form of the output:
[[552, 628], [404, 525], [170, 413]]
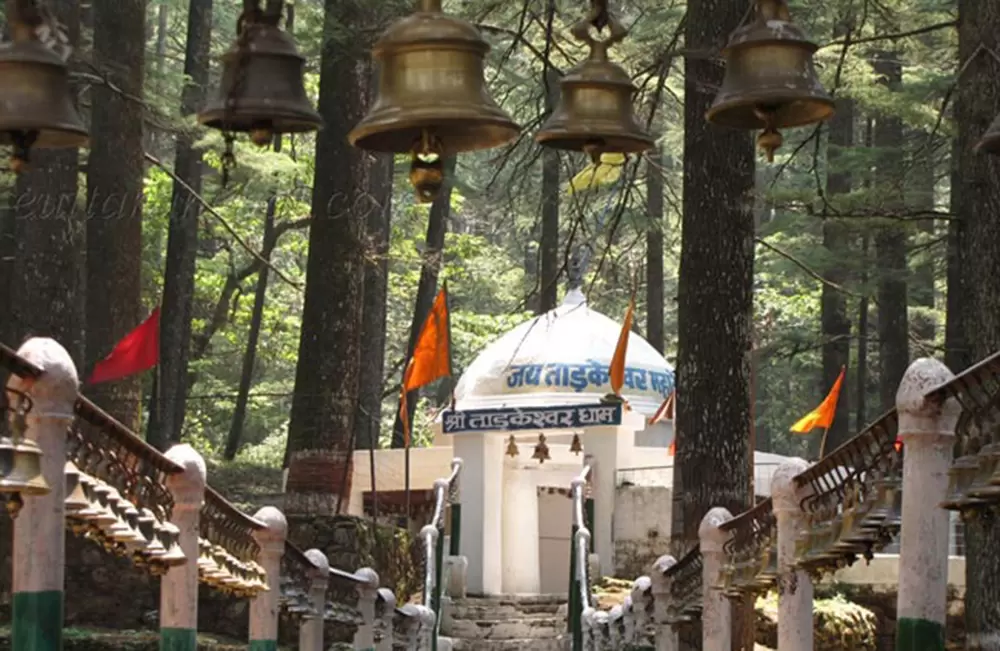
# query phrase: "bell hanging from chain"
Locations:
[[770, 80], [262, 91], [541, 450], [575, 446], [76, 499], [595, 114], [432, 97], [25, 475], [990, 143], [512, 450], [38, 108]]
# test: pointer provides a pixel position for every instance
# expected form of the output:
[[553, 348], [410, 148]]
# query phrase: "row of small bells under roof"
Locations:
[[541, 453], [225, 572], [432, 98]]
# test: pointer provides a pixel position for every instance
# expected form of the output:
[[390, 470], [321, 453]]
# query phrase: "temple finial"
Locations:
[[577, 266]]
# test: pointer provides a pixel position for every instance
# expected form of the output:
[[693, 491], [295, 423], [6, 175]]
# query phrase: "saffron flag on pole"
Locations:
[[666, 410], [821, 416], [137, 351], [616, 370], [431, 359]]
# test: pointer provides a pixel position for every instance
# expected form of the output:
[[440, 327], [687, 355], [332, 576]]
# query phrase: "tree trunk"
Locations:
[[367, 423], [548, 286], [890, 243], [920, 200], [835, 325], [956, 348], [47, 230], [437, 226], [115, 195], [862, 379], [329, 362], [654, 250], [167, 421], [979, 211]]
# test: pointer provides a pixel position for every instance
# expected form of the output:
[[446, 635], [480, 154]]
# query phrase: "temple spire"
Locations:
[[577, 269]]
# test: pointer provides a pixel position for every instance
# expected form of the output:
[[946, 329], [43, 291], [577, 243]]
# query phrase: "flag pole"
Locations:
[[407, 484], [822, 444]]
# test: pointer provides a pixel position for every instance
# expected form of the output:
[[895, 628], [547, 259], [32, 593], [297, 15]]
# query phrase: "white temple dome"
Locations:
[[562, 358]]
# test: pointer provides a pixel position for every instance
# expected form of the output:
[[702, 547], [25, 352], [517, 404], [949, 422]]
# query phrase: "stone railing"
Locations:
[[66, 464], [581, 614], [432, 536]]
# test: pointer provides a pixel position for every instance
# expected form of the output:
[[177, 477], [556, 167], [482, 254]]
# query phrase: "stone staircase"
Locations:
[[506, 623]]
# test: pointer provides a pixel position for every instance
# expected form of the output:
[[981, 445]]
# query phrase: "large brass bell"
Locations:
[[595, 113], [770, 80], [990, 144], [432, 97], [983, 487], [262, 91], [76, 500], [960, 476], [37, 109]]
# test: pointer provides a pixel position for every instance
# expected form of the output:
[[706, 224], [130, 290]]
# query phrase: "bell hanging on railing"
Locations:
[[512, 450], [575, 446], [725, 577], [982, 487], [76, 499], [595, 113], [130, 514], [432, 97], [25, 474], [169, 536], [769, 568], [38, 109], [262, 90], [147, 526], [990, 143], [770, 80], [541, 450]]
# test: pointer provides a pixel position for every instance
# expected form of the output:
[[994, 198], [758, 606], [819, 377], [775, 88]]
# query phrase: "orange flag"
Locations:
[[617, 368], [821, 416], [666, 410], [672, 450], [431, 358]]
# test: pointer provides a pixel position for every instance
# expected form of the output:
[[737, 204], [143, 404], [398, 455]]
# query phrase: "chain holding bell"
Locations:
[[770, 80], [262, 91], [38, 109], [595, 114], [432, 100]]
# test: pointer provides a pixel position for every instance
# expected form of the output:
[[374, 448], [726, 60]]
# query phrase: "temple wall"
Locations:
[[641, 528]]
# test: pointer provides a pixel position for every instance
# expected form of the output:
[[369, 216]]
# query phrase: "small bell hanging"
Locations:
[[512, 450], [990, 144], [770, 80], [25, 475], [432, 97], [541, 450], [38, 109], [595, 114], [76, 500], [575, 447]]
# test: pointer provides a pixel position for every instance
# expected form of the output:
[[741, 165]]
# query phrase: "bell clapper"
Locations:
[[427, 168], [21, 157], [14, 505]]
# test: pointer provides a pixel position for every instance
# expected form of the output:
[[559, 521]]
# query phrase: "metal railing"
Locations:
[[580, 599], [432, 536]]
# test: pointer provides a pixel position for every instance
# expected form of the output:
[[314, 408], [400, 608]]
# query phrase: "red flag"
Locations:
[[898, 444], [138, 351]]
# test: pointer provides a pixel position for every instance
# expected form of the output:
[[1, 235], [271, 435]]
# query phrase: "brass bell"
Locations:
[[769, 565], [76, 500], [169, 535], [990, 144], [262, 90], [982, 487], [961, 474], [25, 478], [147, 526], [575, 446], [595, 113], [541, 450], [432, 96], [512, 450], [725, 577], [38, 109], [770, 80]]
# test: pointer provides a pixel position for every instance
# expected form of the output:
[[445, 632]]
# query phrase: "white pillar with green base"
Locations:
[[39, 530], [264, 607], [716, 611], [927, 429], [311, 626], [179, 586], [795, 588]]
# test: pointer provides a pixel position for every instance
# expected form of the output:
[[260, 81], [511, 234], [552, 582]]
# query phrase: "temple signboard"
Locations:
[[591, 376], [531, 418]]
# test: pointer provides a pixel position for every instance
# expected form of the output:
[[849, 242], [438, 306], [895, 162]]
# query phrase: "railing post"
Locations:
[[179, 586], [927, 429], [427, 635], [368, 592], [641, 595], [264, 607], [716, 615], [311, 626], [795, 588], [386, 613], [666, 636], [454, 498], [39, 530]]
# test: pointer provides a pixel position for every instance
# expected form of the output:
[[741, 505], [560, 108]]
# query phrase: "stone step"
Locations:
[[528, 644], [529, 627], [506, 607]]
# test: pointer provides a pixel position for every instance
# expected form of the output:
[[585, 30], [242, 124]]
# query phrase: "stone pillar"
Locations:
[[795, 589], [364, 637], [311, 626], [521, 565], [386, 607], [39, 530], [927, 430], [611, 449], [179, 586], [666, 636], [482, 509], [264, 607], [716, 614]]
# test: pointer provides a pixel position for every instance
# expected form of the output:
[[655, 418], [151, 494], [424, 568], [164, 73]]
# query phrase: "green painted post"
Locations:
[[588, 510], [454, 548], [39, 530], [438, 580]]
